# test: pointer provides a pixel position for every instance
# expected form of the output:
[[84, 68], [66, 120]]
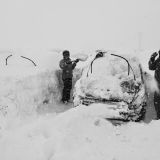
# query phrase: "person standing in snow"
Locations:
[[67, 67], [154, 64]]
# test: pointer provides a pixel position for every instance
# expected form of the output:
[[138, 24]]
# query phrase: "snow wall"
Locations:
[[27, 89]]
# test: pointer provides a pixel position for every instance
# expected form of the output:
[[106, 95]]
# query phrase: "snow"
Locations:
[[78, 133], [106, 77], [35, 126]]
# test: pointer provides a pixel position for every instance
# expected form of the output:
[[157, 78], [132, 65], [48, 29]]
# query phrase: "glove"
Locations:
[[154, 55], [100, 54], [77, 60]]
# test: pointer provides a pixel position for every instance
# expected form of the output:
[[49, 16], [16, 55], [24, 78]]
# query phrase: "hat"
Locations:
[[66, 53]]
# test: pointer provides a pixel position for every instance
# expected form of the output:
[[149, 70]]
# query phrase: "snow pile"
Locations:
[[27, 89], [104, 77], [81, 133], [23, 96]]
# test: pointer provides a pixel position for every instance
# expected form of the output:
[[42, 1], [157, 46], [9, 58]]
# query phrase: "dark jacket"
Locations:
[[154, 64], [67, 67]]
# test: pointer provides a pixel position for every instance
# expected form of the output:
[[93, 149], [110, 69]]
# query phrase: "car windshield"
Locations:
[[110, 66]]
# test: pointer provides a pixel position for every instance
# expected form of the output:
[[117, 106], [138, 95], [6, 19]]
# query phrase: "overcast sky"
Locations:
[[80, 24]]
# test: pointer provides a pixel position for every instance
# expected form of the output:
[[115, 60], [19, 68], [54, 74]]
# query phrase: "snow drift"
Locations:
[[80, 133], [27, 89]]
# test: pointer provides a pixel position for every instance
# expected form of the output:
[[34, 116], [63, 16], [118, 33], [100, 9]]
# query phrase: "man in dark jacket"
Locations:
[[67, 67], [154, 64]]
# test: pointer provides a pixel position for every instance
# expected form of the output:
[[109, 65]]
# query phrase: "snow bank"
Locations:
[[104, 77], [81, 133], [23, 96], [27, 89]]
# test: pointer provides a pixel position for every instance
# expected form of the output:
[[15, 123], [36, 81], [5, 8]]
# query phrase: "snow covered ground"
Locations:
[[34, 126], [80, 133]]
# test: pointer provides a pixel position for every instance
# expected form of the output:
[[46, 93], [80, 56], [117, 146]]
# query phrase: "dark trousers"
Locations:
[[67, 86], [157, 104]]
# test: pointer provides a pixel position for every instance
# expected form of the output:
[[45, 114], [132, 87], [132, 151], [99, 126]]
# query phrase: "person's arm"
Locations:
[[62, 64], [74, 63], [152, 62]]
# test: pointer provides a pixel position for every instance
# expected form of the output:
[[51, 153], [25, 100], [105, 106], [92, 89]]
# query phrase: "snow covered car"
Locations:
[[116, 81]]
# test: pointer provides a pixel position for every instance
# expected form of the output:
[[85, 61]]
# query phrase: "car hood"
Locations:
[[108, 88]]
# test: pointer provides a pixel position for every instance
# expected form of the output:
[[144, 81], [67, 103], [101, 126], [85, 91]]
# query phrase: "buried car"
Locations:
[[116, 81]]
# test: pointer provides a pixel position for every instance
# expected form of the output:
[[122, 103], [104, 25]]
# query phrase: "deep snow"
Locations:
[[34, 125]]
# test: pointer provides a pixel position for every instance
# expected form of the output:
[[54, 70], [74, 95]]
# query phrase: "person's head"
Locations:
[[66, 54]]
